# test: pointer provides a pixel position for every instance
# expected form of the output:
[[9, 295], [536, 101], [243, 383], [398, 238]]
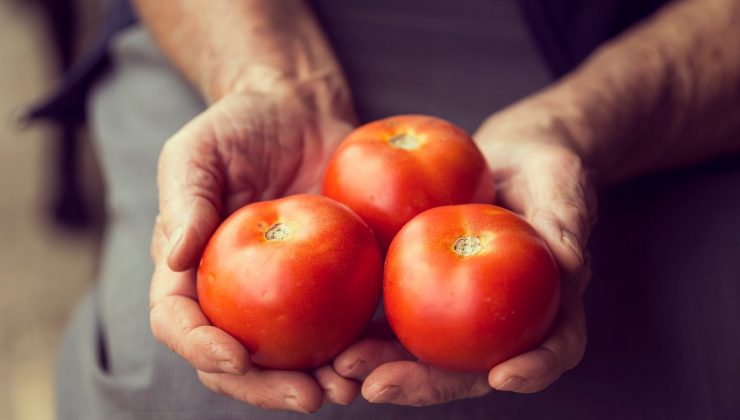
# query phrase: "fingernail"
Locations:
[[331, 395], [378, 393], [511, 384], [357, 368], [227, 366], [572, 242], [292, 403], [174, 240]]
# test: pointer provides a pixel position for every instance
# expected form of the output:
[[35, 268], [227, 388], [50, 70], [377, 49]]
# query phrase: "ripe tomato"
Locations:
[[469, 286], [390, 170], [296, 280]]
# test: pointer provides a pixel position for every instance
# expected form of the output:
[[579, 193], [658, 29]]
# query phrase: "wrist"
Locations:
[[282, 75], [226, 47], [568, 120], [607, 113], [283, 65], [598, 118], [327, 97]]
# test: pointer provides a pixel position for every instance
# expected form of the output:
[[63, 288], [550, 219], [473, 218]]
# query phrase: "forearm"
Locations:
[[665, 93], [224, 46]]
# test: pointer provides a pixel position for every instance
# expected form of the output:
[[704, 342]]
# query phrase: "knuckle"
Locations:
[[213, 385], [260, 401], [174, 336], [579, 351], [543, 215], [331, 393], [478, 388], [167, 207], [554, 359], [454, 391], [155, 323], [421, 401], [574, 214], [438, 394], [202, 347], [190, 347], [575, 342], [256, 398], [434, 395]]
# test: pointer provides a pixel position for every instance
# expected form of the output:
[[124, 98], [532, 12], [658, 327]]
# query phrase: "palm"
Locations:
[[254, 147], [242, 149], [541, 178]]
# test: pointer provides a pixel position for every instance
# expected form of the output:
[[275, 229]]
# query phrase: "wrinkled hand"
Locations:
[[538, 175], [244, 148]]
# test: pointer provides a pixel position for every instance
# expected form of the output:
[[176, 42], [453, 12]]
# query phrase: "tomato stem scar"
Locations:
[[404, 141], [466, 246], [277, 232]]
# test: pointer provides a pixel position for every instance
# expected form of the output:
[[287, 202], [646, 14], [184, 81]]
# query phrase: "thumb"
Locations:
[[190, 184], [561, 205]]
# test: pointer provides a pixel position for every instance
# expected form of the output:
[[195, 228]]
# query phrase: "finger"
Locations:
[[269, 389], [575, 287], [177, 320], [337, 389], [190, 183], [418, 384], [537, 369], [558, 206], [550, 187], [364, 356]]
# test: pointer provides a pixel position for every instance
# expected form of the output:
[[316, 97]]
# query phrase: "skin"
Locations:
[[607, 121], [275, 115]]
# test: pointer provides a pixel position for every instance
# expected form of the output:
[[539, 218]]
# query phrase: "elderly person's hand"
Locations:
[[678, 106], [541, 177], [279, 105], [246, 147]]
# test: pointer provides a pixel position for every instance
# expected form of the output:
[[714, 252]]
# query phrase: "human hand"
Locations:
[[542, 177], [245, 147]]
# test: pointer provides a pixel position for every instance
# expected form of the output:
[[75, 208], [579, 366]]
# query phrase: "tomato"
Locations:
[[469, 286], [390, 170], [296, 280]]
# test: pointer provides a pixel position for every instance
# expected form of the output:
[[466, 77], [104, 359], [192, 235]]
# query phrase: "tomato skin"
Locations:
[[388, 185], [294, 303], [469, 313]]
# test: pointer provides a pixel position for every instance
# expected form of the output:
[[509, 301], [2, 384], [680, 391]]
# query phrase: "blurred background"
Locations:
[[50, 200]]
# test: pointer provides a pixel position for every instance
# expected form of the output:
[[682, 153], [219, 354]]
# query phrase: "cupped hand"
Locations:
[[246, 147], [540, 175]]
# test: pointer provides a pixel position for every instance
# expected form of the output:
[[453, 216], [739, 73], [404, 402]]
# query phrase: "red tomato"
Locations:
[[467, 287], [390, 170], [296, 280]]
